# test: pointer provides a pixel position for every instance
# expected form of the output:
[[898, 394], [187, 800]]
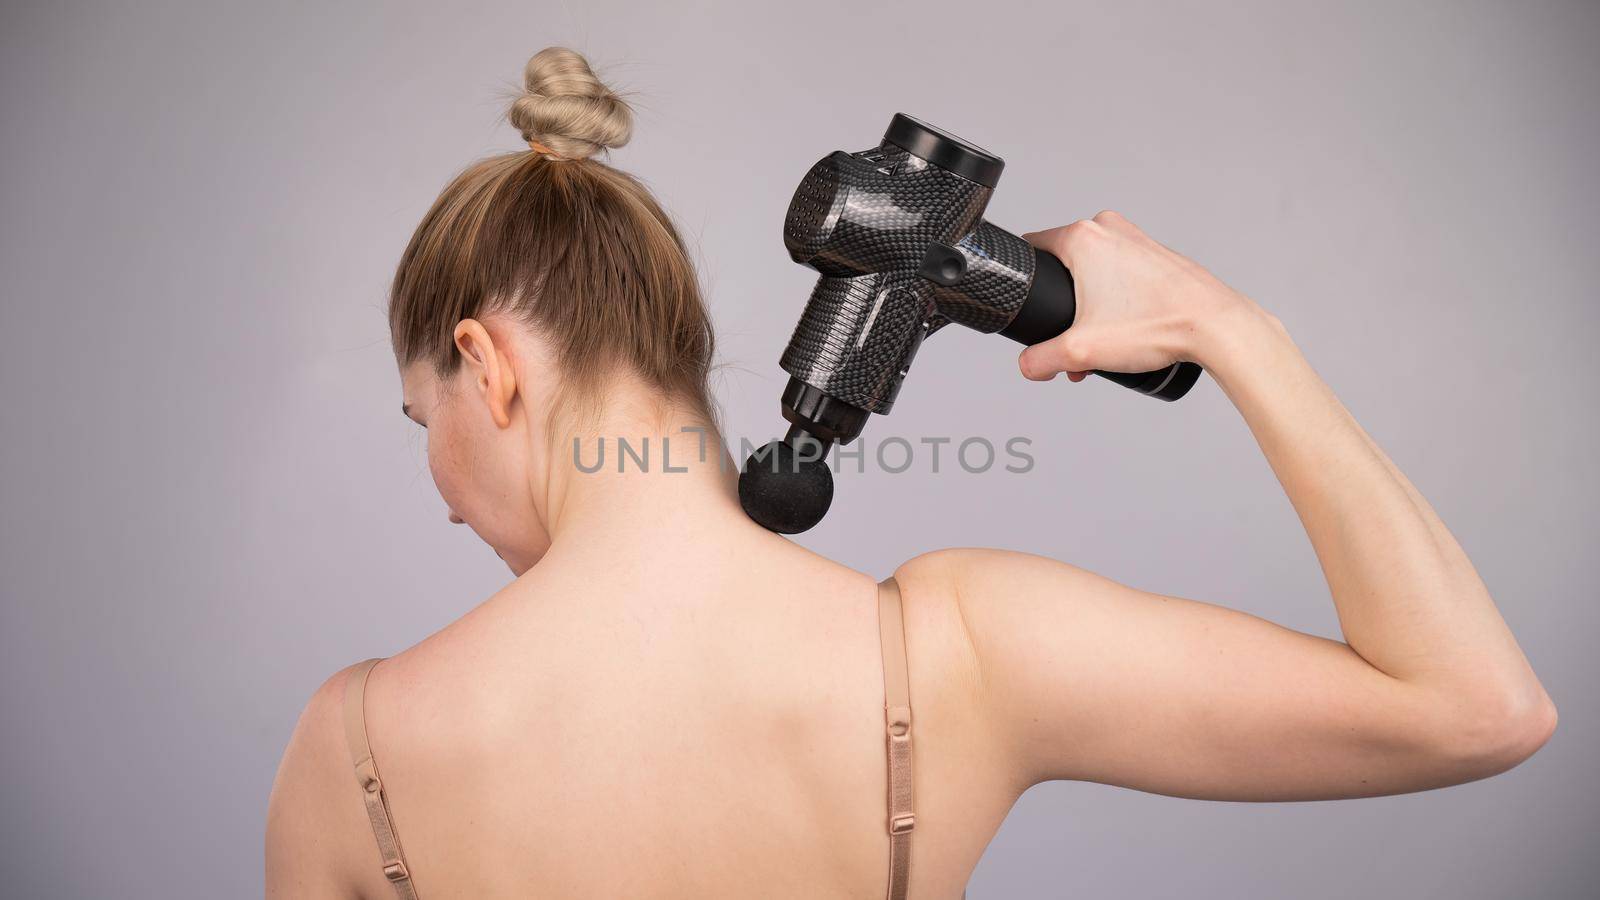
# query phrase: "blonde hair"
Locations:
[[576, 249]]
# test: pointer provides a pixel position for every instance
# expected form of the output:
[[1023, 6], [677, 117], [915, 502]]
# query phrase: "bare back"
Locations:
[[624, 735]]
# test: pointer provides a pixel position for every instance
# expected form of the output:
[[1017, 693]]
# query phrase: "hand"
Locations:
[[1141, 306]]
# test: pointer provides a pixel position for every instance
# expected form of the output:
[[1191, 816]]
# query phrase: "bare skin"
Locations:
[[669, 701]]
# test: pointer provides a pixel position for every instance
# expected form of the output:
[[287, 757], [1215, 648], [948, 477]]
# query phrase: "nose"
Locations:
[[455, 519]]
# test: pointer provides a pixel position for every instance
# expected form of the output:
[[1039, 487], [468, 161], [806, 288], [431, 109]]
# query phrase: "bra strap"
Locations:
[[897, 726], [355, 733]]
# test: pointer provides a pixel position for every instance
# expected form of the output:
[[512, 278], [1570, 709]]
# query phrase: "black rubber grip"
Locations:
[[1052, 306]]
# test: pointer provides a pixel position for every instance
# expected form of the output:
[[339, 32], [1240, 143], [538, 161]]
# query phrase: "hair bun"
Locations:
[[566, 108]]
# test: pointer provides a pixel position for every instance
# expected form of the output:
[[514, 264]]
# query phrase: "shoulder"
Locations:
[[954, 584], [315, 745], [975, 629], [968, 574], [954, 602], [314, 806], [1022, 627], [318, 740], [1003, 598]]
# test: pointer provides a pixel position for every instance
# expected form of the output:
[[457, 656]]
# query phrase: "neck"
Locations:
[[642, 477]]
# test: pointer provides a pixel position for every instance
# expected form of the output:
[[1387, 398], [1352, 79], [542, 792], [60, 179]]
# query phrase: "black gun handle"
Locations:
[[1050, 309]]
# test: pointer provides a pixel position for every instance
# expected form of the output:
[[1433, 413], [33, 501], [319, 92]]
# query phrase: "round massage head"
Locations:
[[784, 491]]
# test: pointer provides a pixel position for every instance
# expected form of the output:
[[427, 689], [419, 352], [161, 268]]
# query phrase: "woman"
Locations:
[[670, 701]]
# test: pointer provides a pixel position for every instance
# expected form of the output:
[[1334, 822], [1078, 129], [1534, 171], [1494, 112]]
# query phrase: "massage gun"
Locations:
[[898, 235]]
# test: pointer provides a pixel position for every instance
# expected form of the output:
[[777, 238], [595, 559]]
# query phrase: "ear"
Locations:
[[489, 368]]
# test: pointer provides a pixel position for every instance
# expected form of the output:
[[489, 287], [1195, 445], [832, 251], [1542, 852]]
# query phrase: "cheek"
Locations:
[[446, 463]]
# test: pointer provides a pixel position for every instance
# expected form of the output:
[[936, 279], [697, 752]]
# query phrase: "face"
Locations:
[[479, 449]]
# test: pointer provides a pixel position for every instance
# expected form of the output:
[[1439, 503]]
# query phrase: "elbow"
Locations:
[[1500, 732]]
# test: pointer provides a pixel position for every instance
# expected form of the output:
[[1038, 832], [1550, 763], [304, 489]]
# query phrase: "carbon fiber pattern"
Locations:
[[999, 272], [855, 340], [813, 211], [864, 221]]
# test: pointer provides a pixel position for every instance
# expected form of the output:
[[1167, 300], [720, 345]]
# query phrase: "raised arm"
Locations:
[[1091, 680]]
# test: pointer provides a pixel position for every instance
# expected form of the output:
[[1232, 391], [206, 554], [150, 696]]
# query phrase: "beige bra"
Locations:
[[897, 725]]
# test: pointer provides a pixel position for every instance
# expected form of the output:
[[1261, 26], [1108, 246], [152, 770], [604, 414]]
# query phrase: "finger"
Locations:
[[1076, 377], [1067, 242], [1036, 366], [1063, 353]]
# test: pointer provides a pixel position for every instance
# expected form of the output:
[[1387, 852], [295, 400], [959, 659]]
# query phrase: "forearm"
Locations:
[[1409, 601]]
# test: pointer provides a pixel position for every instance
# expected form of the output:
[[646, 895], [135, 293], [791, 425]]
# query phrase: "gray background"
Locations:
[[211, 501]]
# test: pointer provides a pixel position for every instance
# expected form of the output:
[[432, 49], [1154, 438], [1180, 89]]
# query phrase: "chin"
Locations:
[[519, 564]]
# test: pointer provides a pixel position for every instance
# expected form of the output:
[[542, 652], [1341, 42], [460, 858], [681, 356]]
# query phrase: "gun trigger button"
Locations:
[[943, 264]]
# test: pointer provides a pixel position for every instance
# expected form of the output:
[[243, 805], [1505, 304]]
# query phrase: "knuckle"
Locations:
[[1070, 353], [1079, 231], [1109, 217]]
